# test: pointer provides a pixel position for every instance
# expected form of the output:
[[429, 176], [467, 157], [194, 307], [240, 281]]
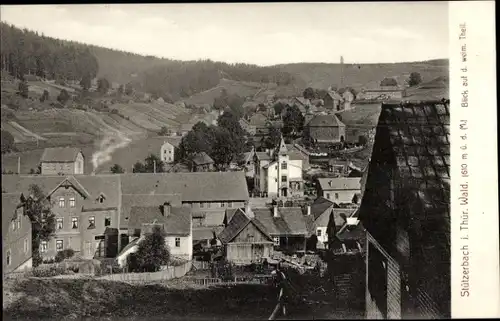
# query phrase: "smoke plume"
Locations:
[[110, 143]]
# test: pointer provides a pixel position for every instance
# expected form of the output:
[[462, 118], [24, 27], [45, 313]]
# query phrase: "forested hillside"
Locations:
[[26, 52]]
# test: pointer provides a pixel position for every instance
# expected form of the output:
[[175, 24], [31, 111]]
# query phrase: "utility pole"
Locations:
[[341, 71], [154, 166]]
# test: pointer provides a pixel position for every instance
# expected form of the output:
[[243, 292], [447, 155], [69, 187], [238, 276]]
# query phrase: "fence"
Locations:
[[258, 279], [170, 272], [201, 265]]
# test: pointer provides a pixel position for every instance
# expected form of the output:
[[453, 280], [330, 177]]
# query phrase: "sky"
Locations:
[[256, 33]]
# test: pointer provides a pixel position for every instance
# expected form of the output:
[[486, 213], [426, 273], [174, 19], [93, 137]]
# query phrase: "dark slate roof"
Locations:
[[60, 154], [143, 200], [290, 221], [178, 222], [329, 120], [238, 222], [202, 159], [418, 137], [319, 206]]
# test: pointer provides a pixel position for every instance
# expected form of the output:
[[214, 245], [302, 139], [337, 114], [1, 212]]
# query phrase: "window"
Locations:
[[59, 245], [26, 246], [283, 165], [336, 196], [328, 195], [13, 225], [283, 179], [101, 199], [276, 241], [8, 257], [170, 152], [222, 204], [164, 151], [61, 202], [59, 224], [208, 205], [74, 222], [229, 204], [72, 202], [202, 205], [91, 221], [43, 246], [177, 242], [19, 223], [318, 232], [107, 221]]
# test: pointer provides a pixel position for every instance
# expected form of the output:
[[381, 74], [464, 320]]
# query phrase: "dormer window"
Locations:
[[283, 165], [101, 199]]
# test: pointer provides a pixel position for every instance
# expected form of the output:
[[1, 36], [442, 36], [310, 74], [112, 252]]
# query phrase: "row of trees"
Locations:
[[25, 52], [312, 93]]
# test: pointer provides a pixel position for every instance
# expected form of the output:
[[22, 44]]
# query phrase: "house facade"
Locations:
[[332, 101], [244, 238], [201, 162], [276, 175], [167, 153], [340, 189], [326, 129], [279, 228], [16, 235], [406, 212], [93, 211], [62, 161]]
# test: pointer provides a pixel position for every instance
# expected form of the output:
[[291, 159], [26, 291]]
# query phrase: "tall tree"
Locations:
[[309, 93], [415, 79], [39, 210], [86, 82], [103, 86], [153, 252], [331, 231], [272, 140], [7, 141], [117, 169], [293, 121]]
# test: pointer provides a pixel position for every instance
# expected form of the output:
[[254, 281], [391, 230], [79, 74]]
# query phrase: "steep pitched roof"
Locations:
[[60, 154], [258, 120], [329, 120], [290, 220], [302, 100], [340, 183], [178, 222], [238, 222], [202, 159], [206, 233], [319, 206], [10, 202], [333, 95]]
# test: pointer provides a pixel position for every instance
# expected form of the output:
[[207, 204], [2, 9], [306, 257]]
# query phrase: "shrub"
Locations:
[[49, 272], [64, 254]]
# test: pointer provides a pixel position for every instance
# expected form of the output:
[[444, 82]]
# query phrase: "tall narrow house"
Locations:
[[406, 212]]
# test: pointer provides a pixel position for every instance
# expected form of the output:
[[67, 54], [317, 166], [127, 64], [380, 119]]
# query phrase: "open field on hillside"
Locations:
[[64, 299], [319, 75]]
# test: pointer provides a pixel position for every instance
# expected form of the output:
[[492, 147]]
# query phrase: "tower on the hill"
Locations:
[[341, 71]]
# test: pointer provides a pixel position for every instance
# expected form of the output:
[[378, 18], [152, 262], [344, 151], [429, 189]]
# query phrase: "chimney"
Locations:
[[248, 211], [165, 209], [308, 210], [275, 211]]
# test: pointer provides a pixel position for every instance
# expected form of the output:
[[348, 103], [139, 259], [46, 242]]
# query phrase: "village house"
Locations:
[[285, 227], [62, 161], [276, 174], [93, 211], [167, 150], [302, 103], [332, 101], [406, 212], [16, 235], [201, 162], [246, 126], [382, 93], [175, 221], [340, 189], [325, 129], [347, 99], [320, 210], [85, 221], [244, 239], [260, 123]]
